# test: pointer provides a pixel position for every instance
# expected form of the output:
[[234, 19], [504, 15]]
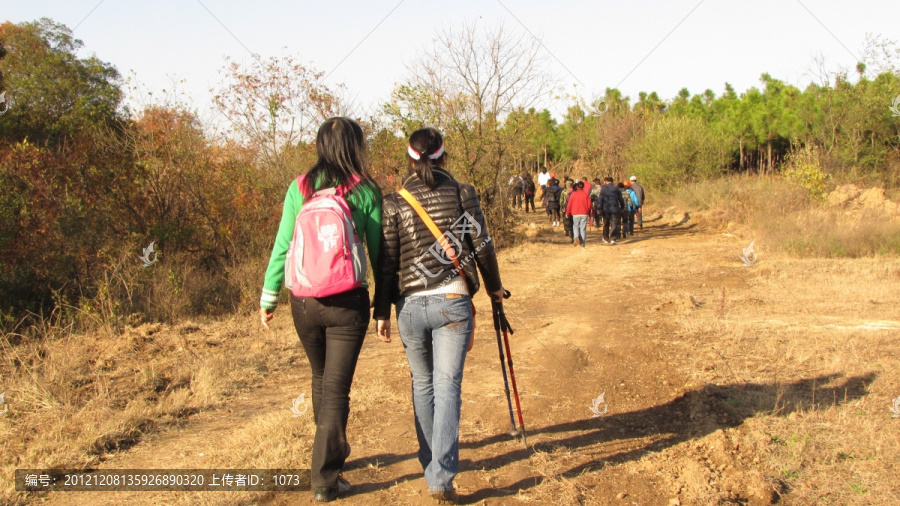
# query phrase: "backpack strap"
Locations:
[[339, 190], [300, 179], [435, 231]]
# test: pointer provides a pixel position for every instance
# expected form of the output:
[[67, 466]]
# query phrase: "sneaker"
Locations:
[[445, 497], [574, 243], [613, 242], [328, 494], [606, 241]]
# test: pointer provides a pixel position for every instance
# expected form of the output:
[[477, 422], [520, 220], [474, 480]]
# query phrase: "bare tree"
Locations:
[[275, 104], [466, 84], [881, 54]]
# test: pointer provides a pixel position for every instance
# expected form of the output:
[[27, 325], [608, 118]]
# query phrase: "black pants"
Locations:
[[597, 216], [567, 223], [529, 199], [610, 219], [517, 199], [628, 223], [553, 211], [331, 330]]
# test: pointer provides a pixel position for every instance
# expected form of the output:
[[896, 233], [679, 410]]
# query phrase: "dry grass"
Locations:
[[782, 216], [554, 487], [279, 440], [810, 355], [269, 441], [74, 399]]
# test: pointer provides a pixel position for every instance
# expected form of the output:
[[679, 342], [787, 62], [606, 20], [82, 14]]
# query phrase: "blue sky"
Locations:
[[599, 42]]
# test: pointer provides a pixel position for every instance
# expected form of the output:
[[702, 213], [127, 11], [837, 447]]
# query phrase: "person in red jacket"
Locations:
[[579, 208]]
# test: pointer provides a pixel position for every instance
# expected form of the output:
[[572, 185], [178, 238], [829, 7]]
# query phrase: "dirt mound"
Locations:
[[713, 470], [680, 303], [843, 195], [874, 198], [853, 198]]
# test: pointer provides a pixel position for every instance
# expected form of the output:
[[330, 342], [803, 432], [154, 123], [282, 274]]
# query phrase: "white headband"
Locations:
[[415, 155]]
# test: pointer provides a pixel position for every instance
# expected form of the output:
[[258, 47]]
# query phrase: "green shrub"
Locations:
[[676, 150], [804, 168]]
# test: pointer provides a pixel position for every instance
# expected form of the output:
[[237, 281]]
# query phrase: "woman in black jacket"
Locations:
[[433, 299]]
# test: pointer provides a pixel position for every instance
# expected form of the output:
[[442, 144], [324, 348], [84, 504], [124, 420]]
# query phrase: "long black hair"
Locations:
[[341, 147], [426, 142]]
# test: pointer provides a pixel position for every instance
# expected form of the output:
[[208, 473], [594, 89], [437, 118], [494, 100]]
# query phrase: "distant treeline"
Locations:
[[854, 127]]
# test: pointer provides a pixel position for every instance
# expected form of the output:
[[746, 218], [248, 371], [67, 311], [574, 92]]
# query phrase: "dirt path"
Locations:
[[591, 321]]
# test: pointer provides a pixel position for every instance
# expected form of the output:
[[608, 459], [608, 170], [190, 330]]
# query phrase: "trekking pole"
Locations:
[[512, 377], [501, 322], [496, 313]]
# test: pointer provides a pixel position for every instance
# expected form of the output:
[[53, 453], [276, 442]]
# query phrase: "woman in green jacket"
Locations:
[[330, 328]]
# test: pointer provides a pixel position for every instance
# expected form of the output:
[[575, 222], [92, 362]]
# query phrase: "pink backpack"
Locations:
[[326, 256]]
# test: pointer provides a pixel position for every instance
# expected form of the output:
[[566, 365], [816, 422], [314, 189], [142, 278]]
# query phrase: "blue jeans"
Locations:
[[435, 330], [579, 227]]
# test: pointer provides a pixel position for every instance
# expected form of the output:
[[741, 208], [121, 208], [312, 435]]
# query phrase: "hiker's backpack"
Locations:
[[326, 256], [632, 202], [529, 187], [596, 200], [553, 194]]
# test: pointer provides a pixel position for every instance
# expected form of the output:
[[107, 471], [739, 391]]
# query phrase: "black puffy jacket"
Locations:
[[611, 201], [412, 260]]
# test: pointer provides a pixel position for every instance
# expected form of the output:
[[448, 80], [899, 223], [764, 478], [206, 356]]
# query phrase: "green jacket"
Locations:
[[365, 207]]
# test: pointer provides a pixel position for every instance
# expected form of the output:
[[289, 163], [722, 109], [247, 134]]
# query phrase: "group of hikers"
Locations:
[[615, 207], [328, 214]]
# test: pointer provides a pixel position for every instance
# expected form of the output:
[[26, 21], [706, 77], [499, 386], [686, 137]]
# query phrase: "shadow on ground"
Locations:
[[693, 415], [557, 235]]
